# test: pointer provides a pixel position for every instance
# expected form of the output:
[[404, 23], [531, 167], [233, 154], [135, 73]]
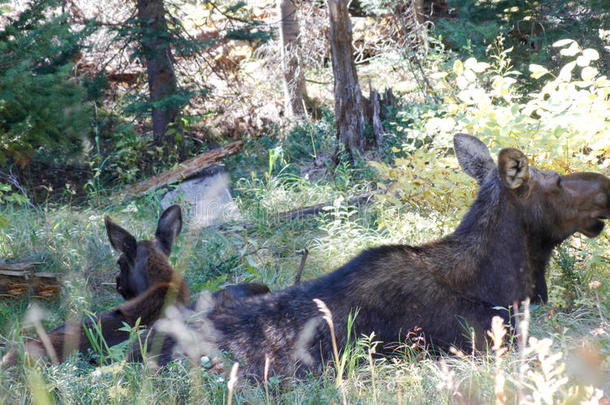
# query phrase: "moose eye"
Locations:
[[558, 182], [123, 263]]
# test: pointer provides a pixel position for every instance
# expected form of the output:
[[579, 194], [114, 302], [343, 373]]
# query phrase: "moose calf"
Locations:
[[146, 280], [495, 257]]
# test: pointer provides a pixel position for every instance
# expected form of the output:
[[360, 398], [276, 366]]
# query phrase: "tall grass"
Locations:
[[563, 356]]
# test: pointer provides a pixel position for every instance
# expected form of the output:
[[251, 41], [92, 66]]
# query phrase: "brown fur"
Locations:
[[147, 280], [449, 288]]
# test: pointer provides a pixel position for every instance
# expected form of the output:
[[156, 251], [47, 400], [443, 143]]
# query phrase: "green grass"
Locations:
[[73, 243]]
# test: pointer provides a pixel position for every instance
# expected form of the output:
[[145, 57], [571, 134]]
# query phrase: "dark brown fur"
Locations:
[[146, 279], [495, 257], [161, 344]]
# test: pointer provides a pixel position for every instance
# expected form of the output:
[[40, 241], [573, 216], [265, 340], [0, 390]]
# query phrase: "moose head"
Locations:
[[146, 280], [553, 205], [144, 263], [546, 206]]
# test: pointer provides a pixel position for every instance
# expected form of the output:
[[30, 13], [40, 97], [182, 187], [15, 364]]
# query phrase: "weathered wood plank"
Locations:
[[19, 284], [19, 266]]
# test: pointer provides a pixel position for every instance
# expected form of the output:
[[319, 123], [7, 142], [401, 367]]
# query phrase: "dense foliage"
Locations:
[[531, 27], [43, 109], [563, 126]]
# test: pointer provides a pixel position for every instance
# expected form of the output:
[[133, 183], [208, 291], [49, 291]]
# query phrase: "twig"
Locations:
[[113, 285], [300, 212], [428, 86], [317, 82], [304, 252], [232, 382], [14, 181]]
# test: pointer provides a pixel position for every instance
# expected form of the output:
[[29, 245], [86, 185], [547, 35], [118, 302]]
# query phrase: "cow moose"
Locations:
[[495, 257], [146, 280]]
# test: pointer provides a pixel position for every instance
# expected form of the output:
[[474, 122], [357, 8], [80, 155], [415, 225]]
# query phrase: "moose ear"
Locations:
[[121, 240], [513, 168], [473, 156], [169, 227]]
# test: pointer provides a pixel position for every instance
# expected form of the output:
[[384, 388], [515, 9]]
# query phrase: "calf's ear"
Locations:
[[168, 228], [513, 168], [473, 156], [121, 240]]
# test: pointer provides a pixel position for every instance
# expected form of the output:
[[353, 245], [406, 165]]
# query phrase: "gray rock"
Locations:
[[206, 199]]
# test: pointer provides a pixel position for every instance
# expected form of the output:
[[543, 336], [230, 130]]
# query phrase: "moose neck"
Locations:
[[490, 244]]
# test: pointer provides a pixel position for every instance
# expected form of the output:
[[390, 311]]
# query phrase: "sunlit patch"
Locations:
[[194, 334], [304, 340]]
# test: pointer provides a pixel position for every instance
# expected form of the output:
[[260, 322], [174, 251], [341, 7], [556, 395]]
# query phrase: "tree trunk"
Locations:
[[294, 79], [348, 97], [159, 65]]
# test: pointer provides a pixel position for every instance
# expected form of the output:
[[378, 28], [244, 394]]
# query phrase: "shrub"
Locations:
[[529, 26], [563, 126], [42, 110]]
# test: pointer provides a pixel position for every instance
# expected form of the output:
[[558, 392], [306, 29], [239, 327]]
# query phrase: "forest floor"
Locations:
[[72, 241], [286, 166]]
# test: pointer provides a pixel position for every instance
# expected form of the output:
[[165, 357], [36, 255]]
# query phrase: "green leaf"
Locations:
[[562, 43], [537, 71], [573, 50]]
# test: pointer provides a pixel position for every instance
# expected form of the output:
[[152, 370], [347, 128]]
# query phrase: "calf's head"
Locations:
[[552, 206], [145, 263]]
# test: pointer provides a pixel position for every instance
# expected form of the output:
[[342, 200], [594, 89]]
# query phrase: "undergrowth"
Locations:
[[419, 198]]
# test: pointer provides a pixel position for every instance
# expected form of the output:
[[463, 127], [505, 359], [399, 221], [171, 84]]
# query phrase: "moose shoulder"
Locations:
[[496, 256]]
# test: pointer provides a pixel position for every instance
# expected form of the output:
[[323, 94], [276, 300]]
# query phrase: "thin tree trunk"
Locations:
[[159, 65], [294, 79], [348, 97]]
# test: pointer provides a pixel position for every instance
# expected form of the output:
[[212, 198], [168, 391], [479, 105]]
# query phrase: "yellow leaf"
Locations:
[[458, 67], [572, 50], [562, 42], [591, 54]]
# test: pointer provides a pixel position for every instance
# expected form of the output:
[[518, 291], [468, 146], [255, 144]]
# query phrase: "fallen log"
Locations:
[[184, 170], [358, 200], [314, 209], [19, 266], [17, 281]]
